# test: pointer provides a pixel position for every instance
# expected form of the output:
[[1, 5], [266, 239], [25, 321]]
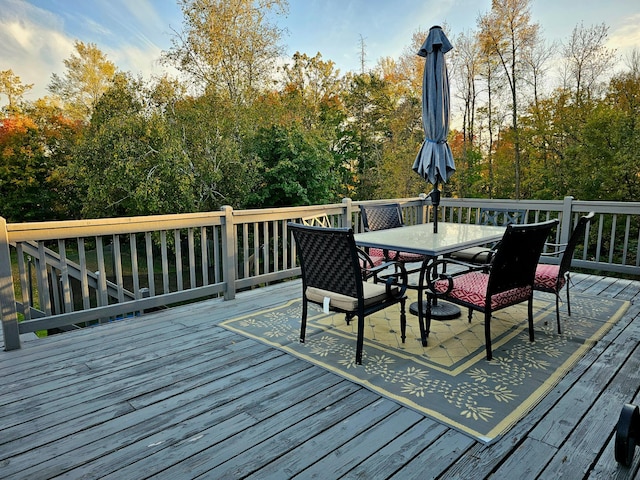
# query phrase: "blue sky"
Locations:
[[37, 35]]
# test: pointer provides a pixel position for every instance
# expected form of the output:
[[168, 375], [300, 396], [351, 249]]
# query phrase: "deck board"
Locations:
[[171, 394]]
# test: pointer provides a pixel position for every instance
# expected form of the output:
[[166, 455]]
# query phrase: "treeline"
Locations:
[[239, 128]]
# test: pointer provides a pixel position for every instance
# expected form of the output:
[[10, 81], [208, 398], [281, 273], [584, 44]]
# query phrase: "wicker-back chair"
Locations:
[[552, 278], [506, 281], [331, 278], [367, 261], [383, 217]]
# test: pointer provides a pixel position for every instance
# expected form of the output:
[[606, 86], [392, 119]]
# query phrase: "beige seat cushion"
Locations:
[[373, 293]]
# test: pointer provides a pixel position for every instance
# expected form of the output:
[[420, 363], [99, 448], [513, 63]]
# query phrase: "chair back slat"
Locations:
[[381, 217], [515, 261], [502, 216], [576, 236], [328, 259]]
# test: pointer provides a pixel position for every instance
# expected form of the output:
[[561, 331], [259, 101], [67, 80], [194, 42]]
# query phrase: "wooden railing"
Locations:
[[60, 275]]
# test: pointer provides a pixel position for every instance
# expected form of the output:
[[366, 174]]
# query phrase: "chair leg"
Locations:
[[403, 320], [427, 321], [530, 313], [421, 316], [303, 323], [470, 314], [568, 301], [558, 311], [487, 334], [360, 338]]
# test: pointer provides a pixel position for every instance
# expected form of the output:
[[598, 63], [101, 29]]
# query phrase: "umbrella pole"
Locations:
[[435, 201]]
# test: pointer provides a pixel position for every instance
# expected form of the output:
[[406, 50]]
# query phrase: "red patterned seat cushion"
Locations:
[[376, 260], [397, 256], [472, 288], [547, 277]]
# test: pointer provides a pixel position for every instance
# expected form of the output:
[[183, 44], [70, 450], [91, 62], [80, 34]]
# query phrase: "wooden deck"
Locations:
[[172, 395]]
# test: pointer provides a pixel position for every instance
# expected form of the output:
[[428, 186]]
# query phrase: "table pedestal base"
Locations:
[[440, 311]]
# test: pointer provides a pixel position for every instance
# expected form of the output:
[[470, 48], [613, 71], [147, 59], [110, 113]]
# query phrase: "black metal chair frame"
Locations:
[[564, 275], [512, 267], [330, 267], [383, 217]]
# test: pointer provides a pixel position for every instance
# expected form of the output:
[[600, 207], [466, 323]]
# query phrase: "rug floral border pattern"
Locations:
[[478, 397]]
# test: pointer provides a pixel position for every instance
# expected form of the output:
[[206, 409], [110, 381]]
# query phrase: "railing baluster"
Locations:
[[151, 275], [192, 258], [43, 281], [265, 246], [217, 261], [133, 249], [25, 281], [84, 278], [64, 274], [625, 242], [614, 221], [178, 248], [204, 251], [117, 267], [102, 275]]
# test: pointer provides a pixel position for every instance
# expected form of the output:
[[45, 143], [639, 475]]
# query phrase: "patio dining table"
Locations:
[[422, 240]]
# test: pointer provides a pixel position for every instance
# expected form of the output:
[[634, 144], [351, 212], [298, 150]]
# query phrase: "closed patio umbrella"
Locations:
[[434, 162]]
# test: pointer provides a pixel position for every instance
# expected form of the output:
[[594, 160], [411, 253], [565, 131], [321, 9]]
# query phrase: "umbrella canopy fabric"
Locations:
[[435, 161]]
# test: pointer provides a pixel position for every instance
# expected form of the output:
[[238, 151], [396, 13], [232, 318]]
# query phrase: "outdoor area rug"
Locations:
[[450, 380]]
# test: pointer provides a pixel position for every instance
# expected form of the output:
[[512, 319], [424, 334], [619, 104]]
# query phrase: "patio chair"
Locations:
[[494, 217], [506, 281], [552, 278], [331, 278], [382, 217], [366, 261]]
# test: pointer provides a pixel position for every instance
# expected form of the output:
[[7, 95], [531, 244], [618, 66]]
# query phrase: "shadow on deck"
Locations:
[[172, 395]]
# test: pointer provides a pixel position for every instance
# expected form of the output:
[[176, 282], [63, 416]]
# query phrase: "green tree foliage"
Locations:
[[222, 166], [12, 87], [130, 160], [295, 166], [240, 132], [33, 148], [88, 75], [228, 45]]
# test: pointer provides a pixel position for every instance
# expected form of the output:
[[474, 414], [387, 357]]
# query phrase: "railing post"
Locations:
[[8, 311], [422, 209], [346, 219], [229, 262], [566, 226]]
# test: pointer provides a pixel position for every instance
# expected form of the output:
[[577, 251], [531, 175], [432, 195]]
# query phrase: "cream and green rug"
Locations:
[[450, 380]]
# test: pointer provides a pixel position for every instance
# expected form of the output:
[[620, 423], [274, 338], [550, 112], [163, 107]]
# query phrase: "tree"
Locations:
[[33, 148], [228, 45], [587, 59], [507, 32], [13, 88], [131, 160], [88, 75], [311, 86], [296, 168]]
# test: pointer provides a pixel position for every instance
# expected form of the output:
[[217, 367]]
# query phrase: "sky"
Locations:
[[36, 36]]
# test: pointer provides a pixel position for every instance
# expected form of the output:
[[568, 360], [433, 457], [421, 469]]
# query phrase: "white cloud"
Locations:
[[627, 36], [33, 46]]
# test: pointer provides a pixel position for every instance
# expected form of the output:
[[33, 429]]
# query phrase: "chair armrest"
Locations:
[[398, 278], [432, 273], [366, 259], [557, 249]]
